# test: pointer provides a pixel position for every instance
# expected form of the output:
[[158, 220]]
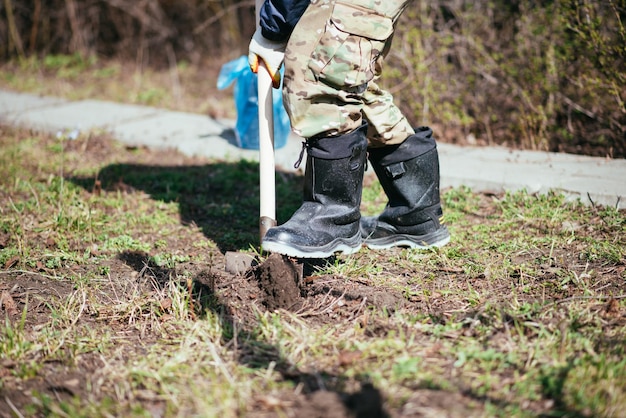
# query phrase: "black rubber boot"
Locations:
[[409, 175], [329, 219]]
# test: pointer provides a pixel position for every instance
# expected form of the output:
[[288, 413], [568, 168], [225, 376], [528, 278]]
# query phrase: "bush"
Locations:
[[148, 31], [547, 75]]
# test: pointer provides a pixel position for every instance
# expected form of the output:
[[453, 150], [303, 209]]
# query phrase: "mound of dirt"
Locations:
[[280, 279]]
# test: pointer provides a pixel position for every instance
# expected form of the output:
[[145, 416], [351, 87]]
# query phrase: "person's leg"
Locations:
[[407, 165], [328, 220], [329, 61]]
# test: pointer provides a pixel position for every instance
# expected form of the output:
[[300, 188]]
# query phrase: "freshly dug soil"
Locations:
[[279, 278]]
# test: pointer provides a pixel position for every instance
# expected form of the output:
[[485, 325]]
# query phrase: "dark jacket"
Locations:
[[279, 17]]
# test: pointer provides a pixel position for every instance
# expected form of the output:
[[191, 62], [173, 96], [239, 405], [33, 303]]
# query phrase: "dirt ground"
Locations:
[[277, 283]]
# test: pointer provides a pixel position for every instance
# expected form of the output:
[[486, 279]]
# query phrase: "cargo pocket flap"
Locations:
[[361, 22]]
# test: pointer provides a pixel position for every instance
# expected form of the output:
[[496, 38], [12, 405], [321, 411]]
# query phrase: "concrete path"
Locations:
[[495, 169]]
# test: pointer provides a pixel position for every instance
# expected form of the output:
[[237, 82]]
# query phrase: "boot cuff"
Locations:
[[419, 143], [337, 147]]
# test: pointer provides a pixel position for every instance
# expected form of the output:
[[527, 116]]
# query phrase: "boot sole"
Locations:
[[438, 238], [345, 246]]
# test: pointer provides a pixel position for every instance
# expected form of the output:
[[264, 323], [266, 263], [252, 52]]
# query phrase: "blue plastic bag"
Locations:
[[247, 104]]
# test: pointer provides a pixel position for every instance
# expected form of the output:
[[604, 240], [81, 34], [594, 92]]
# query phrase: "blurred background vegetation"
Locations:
[[544, 75]]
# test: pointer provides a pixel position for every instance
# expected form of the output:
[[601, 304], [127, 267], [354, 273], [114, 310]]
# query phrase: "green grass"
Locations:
[[103, 249]]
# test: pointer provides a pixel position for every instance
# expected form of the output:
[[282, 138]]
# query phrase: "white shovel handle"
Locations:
[[267, 167]]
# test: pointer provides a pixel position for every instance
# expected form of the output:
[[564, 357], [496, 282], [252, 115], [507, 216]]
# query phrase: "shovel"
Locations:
[[267, 165]]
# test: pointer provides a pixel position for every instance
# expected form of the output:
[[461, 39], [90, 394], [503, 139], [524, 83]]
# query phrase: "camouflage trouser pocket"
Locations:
[[353, 39]]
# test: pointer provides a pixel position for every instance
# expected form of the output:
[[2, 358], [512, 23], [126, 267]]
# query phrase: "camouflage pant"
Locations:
[[332, 61]]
